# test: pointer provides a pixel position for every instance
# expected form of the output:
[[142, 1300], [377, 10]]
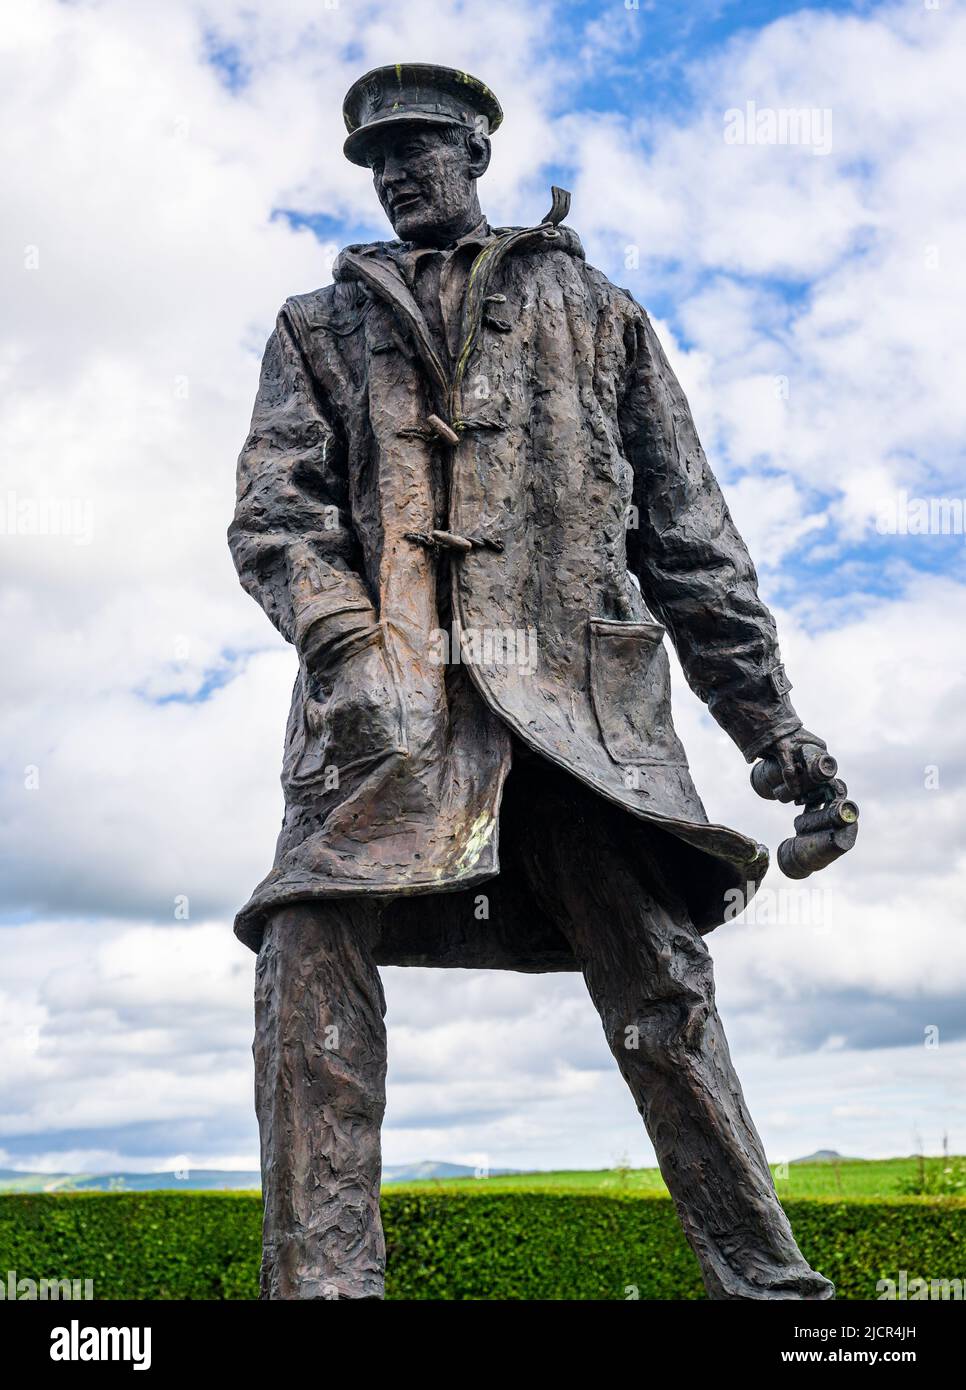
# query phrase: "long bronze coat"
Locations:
[[550, 447]]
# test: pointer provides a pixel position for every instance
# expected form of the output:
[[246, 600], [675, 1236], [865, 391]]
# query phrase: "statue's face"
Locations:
[[427, 185]]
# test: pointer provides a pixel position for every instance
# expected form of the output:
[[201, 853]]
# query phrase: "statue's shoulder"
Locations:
[[612, 296], [344, 271], [336, 306]]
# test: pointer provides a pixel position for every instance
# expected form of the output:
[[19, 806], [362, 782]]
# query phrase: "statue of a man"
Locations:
[[474, 500]]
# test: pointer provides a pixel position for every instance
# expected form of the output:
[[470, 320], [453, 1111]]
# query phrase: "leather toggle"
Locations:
[[442, 430], [434, 428], [449, 540], [440, 540], [491, 319]]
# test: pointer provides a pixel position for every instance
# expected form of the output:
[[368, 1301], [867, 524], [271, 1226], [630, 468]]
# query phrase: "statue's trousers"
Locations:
[[320, 1053]]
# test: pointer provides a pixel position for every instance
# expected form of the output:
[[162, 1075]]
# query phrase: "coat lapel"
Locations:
[[385, 281]]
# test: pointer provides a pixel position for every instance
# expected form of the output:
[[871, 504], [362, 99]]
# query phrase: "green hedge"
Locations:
[[168, 1245]]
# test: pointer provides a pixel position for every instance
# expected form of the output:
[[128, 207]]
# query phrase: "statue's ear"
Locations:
[[478, 148]]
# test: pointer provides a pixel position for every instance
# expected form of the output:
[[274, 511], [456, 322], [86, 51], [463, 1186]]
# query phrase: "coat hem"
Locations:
[[250, 921]]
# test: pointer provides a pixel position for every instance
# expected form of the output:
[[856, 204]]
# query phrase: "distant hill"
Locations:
[[196, 1180], [827, 1156], [207, 1179]]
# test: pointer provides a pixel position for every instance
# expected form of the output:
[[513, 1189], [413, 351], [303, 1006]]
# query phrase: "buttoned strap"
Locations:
[[481, 276]]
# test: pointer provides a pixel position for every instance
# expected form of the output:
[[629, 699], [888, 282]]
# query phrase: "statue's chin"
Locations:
[[414, 228], [423, 230]]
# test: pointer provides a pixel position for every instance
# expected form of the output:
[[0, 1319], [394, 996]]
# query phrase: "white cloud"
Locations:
[[873, 348]]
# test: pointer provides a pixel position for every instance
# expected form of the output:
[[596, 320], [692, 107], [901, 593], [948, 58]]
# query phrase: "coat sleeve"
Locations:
[[292, 538], [693, 565]]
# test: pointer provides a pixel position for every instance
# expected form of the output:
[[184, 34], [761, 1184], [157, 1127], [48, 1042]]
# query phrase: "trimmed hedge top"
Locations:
[[462, 1245]]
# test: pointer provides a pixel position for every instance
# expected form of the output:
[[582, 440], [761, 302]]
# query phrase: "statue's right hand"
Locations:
[[354, 708]]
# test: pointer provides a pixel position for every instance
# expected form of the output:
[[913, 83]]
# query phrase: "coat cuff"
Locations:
[[759, 715], [331, 609], [323, 637], [789, 725]]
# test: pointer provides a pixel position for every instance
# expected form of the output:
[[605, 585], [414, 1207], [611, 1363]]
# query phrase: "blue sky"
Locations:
[[175, 176]]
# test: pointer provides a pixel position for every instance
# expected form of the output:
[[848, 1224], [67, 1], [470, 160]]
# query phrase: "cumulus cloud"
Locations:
[[824, 289]]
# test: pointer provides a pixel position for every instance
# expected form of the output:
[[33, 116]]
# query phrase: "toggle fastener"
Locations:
[[440, 540], [434, 428], [449, 540], [442, 429]]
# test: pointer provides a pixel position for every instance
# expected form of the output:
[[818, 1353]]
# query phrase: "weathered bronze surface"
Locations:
[[474, 500]]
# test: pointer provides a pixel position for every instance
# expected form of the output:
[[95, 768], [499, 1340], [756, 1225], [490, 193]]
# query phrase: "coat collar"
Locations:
[[377, 265], [477, 237], [407, 255]]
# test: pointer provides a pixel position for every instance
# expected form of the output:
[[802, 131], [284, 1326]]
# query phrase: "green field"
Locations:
[[846, 1178]]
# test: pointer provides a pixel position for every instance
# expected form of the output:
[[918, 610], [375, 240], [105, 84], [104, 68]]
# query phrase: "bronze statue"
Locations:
[[473, 499]]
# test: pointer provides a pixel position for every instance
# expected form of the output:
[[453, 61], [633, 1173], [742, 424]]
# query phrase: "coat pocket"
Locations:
[[346, 721], [630, 686]]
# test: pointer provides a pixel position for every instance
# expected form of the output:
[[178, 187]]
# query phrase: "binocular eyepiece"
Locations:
[[827, 827], [818, 766]]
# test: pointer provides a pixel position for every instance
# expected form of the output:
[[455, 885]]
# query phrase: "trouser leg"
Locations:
[[650, 976], [320, 1073]]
